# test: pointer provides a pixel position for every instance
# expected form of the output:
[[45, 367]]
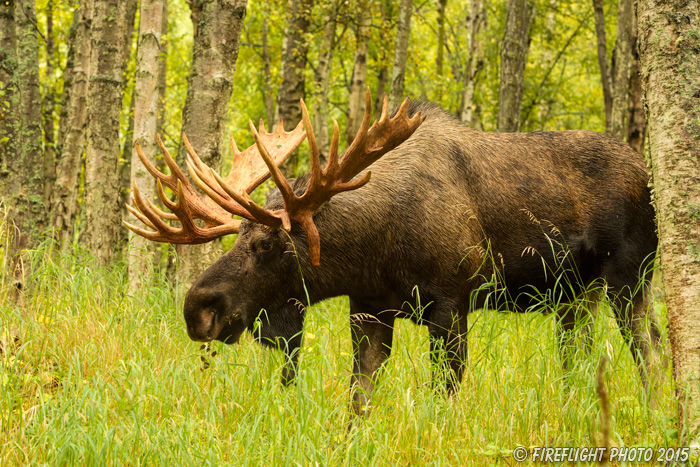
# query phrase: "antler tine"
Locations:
[[175, 171], [257, 213], [139, 216], [359, 141], [332, 164], [313, 147], [193, 154], [160, 226], [234, 147], [385, 108], [157, 174], [275, 172]]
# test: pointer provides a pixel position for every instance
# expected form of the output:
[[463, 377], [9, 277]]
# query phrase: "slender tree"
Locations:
[[10, 123], [358, 82], [670, 65], [267, 75], [214, 55], [63, 203], [636, 123], [105, 92], [622, 69], [21, 156], [293, 66], [615, 77], [162, 71], [514, 51], [48, 107], [145, 124], [605, 76], [398, 72], [383, 53], [476, 22], [322, 78], [439, 62]]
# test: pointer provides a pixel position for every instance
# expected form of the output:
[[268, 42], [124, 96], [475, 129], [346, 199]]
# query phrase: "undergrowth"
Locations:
[[93, 374]]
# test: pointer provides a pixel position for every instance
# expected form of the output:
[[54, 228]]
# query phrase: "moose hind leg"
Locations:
[[448, 347], [634, 312], [372, 335], [576, 320]]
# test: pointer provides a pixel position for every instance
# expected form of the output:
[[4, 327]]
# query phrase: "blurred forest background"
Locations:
[[83, 81]]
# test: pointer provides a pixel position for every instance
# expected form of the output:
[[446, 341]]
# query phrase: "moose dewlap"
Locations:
[[470, 219]]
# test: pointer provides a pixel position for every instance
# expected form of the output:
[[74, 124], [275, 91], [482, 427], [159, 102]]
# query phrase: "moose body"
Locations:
[[467, 218]]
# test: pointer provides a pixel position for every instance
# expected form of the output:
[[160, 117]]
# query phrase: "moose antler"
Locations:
[[369, 144], [247, 173], [231, 194]]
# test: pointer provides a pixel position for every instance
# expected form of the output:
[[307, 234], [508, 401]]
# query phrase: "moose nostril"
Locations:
[[199, 327]]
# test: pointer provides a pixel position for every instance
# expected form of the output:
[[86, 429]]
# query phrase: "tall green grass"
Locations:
[[95, 375]]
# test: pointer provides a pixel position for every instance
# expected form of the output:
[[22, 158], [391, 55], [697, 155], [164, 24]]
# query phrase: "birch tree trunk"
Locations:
[[605, 77], [145, 126], [622, 69], [48, 107], [636, 122], [21, 156], [267, 76], [383, 52], [10, 122], [162, 73], [476, 22], [64, 195], [670, 64], [440, 60], [293, 66], [322, 78], [398, 72], [514, 51], [105, 91], [214, 55], [356, 104]]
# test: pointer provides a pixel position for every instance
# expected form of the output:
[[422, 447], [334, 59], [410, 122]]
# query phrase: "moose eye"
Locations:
[[264, 245]]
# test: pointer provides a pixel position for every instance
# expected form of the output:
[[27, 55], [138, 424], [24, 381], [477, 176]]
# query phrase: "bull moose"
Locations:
[[471, 219]]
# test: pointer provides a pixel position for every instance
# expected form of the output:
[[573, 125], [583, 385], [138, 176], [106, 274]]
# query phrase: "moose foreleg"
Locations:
[[372, 335], [448, 347]]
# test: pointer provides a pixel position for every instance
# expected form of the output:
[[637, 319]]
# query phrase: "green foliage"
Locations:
[[92, 374], [562, 83]]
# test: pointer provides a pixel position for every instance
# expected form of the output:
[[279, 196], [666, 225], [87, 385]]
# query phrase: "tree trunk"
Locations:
[[322, 81], [605, 78], [64, 196], [514, 50], [670, 65], [49, 104], [125, 159], [214, 54], [105, 92], [382, 61], [398, 72], [293, 66], [22, 170], [439, 62], [267, 76], [636, 123], [356, 100], [10, 123], [622, 69], [476, 22], [145, 127], [162, 74]]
